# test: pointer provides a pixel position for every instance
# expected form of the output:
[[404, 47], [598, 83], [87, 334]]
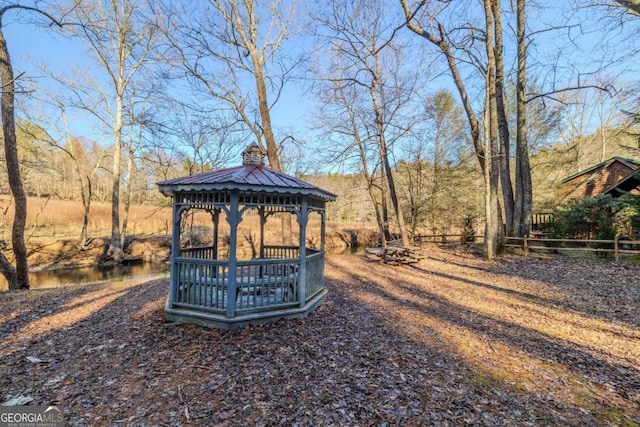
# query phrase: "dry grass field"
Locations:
[[62, 219], [453, 340]]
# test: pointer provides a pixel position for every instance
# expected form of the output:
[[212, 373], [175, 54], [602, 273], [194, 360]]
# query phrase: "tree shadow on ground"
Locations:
[[610, 373], [610, 291], [569, 302], [351, 362]]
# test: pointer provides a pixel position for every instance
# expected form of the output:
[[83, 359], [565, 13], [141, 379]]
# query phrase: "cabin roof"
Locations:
[[615, 176], [630, 163]]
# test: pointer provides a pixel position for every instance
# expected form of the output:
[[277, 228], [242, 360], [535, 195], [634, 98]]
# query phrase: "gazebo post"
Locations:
[[216, 219], [322, 230], [175, 252], [302, 221], [263, 221], [233, 218]]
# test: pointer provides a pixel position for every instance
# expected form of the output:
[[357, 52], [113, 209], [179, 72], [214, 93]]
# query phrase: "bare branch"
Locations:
[[608, 89]]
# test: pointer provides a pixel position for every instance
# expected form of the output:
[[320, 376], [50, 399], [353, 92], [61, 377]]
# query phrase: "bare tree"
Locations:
[[17, 276], [524, 187], [366, 56], [496, 60], [342, 113], [485, 150], [234, 52], [121, 38], [58, 135], [494, 233]]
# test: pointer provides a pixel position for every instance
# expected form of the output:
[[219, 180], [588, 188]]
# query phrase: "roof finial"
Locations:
[[253, 155]]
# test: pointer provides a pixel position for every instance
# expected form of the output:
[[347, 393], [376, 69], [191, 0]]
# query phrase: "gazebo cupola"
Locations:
[[221, 288], [253, 155]]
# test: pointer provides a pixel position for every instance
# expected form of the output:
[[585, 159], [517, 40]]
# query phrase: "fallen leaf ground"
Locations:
[[453, 340]]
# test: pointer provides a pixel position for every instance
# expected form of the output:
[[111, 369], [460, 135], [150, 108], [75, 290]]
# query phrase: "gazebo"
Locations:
[[221, 289]]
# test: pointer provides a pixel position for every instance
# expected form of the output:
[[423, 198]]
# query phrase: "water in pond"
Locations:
[[81, 275]]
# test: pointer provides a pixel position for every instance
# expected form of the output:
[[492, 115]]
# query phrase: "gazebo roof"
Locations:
[[248, 177]]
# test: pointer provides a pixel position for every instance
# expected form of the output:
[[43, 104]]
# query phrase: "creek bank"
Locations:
[[63, 254]]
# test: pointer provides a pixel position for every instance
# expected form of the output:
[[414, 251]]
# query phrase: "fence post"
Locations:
[[616, 251], [525, 246]]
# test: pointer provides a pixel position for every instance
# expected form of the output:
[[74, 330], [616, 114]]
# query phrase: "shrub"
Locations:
[[601, 217], [468, 229], [627, 221]]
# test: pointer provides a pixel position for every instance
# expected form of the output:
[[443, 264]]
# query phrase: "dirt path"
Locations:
[[452, 341]]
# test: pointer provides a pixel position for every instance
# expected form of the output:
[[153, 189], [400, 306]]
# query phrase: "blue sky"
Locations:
[[30, 44]]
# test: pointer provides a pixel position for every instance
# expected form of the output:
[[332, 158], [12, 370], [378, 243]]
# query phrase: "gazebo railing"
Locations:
[[201, 252], [260, 284], [314, 280], [278, 252], [200, 284], [281, 252], [266, 284]]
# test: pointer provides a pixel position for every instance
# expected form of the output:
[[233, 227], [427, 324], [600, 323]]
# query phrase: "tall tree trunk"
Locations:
[[272, 149], [115, 245], [265, 118], [494, 223], [257, 58], [384, 158], [524, 190], [503, 124], [392, 192], [489, 241], [127, 200], [86, 207], [370, 186], [384, 153], [7, 103], [386, 235]]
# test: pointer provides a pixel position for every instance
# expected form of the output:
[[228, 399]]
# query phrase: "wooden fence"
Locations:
[[448, 238], [616, 246]]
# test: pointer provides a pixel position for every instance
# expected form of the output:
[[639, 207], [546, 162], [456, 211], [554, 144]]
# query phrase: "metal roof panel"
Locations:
[[249, 177]]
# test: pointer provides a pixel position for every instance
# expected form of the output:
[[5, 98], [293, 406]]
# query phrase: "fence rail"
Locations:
[[448, 238], [615, 246]]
